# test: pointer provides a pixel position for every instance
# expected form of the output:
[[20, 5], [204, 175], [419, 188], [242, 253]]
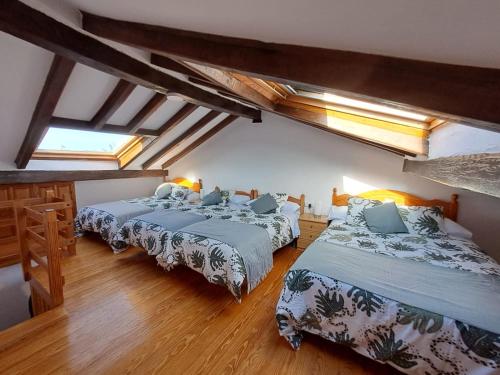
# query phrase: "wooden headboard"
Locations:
[[194, 186], [249, 194], [450, 209], [301, 200]]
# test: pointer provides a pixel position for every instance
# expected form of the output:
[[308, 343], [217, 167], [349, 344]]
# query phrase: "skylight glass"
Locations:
[[373, 107], [67, 140], [363, 105]]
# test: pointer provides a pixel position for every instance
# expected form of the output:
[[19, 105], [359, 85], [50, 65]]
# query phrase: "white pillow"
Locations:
[[164, 190], [193, 197], [239, 199], [337, 213], [456, 230], [356, 210], [179, 192], [226, 195], [250, 202], [281, 199], [290, 207], [423, 220]]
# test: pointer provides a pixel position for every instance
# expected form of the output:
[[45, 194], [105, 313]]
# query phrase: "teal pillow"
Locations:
[[264, 204], [385, 219], [212, 199]]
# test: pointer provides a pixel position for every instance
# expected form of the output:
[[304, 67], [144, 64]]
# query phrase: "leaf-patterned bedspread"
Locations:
[[413, 340], [219, 262], [91, 219], [440, 251]]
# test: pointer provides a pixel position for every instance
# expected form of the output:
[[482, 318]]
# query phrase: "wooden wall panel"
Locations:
[[9, 243]]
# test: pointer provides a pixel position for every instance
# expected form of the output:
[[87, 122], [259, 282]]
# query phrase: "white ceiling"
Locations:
[[23, 71], [84, 93], [455, 31], [22, 74], [137, 99]]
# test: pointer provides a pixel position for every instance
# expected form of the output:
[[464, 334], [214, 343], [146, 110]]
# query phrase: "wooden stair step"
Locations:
[[21, 331]]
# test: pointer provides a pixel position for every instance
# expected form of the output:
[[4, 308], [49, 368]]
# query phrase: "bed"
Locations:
[[423, 304], [107, 218], [214, 246]]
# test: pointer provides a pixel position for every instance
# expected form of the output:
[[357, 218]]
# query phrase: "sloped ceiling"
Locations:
[[23, 71], [448, 32], [88, 88], [452, 31], [22, 75]]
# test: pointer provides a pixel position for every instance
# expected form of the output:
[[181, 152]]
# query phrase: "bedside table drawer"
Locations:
[[311, 226], [309, 236]]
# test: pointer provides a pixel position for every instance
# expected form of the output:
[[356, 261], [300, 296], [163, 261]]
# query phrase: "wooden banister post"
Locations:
[[53, 258], [68, 217], [20, 215]]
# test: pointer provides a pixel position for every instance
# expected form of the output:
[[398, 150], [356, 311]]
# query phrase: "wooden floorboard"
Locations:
[[125, 314]]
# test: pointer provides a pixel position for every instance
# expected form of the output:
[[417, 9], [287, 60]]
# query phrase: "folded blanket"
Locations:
[[251, 241], [122, 210], [171, 220], [469, 297]]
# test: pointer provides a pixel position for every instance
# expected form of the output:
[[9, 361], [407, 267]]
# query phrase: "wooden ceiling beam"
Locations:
[[52, 90], [233, 84], [209, 134], [67, 123], [30, 177], [208, 84], [226, 82], [145, 112], [117, 97], [24, 22], [234, 96], [186, 134], [170, 124], [462, 91], [175, 66]]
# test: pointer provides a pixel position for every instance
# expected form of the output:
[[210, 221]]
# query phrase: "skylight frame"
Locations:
[[61, 154], [377, 109]]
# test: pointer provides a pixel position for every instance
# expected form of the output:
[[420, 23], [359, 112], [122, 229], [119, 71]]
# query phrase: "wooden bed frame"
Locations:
[[193, 185], [251, 194], [301, 200], [450, 209]]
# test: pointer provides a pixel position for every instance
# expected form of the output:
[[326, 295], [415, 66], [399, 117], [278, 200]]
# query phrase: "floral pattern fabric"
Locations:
[[441, 251], [413, 340], [179, 193], [281, 199], [426, 221], [90, 219], [356, 210], [219, 262]]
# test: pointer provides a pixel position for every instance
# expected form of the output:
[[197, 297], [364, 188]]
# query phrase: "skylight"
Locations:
[[373, 107], [364, 105], [79, 141]]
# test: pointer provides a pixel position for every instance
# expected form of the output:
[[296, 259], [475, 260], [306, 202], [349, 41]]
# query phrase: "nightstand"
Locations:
[[310, 228]]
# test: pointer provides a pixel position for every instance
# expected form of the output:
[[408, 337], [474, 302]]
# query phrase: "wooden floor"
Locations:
[[124, 314]]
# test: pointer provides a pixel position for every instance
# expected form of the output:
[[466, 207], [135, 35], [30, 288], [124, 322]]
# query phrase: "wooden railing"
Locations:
[[45, 228]]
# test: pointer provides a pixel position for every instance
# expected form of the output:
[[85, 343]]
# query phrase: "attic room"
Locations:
[[249, 187]]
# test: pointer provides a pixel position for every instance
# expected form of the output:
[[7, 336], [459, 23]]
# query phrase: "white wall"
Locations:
[[283, 155], [98, 191], [457, 139]]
